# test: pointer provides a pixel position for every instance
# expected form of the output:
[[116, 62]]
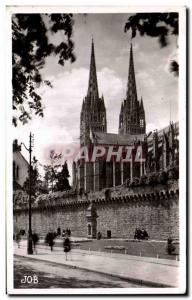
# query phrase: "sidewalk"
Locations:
[[142, 270]]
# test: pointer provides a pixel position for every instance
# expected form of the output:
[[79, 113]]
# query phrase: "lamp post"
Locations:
[[30, 242]]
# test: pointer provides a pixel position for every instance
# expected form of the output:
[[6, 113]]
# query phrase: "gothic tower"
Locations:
[[93, 112], [132, 114]]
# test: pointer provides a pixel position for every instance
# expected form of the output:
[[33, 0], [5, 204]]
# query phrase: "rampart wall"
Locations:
[[156, 210]]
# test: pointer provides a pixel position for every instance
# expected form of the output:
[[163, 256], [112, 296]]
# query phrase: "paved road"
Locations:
[[55, 276]]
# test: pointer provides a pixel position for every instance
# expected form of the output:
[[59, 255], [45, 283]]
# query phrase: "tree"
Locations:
[[159, 25], [35, 178], [30, 46], [62, 179], [52, 169]]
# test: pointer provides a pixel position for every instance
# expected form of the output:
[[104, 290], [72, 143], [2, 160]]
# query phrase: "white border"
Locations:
[[182, 130]]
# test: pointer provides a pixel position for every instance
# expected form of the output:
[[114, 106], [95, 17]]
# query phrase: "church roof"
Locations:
[[116, 139]]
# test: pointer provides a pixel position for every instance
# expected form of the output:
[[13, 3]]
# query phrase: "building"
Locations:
[[115, 205], [159, 148], [20, 166]]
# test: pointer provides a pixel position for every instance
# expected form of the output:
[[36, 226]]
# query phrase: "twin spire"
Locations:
[[93, 112], [93, 92]]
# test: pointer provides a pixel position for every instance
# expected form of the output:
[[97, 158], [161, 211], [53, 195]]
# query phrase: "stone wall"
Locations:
[[157, 211], [158, 216], [49, 219]]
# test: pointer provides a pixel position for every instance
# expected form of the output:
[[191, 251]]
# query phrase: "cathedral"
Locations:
[[159, 148], [111, 195]]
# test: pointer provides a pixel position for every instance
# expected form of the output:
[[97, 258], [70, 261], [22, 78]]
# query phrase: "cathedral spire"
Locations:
[[93, 113], [131, 85], [141, 104], [92, 87], [132, 113]]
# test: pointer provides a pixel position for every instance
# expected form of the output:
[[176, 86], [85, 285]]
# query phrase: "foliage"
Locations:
[[31, 45], [135, 182], [35, 179], [126, 182], [152, 179], [62, 179], [81, 191], [107, 193], [52, 169], [56, 175], [159, 25], [142, 180], [20, 198], [162, 177], [173, 171], [56, 197]]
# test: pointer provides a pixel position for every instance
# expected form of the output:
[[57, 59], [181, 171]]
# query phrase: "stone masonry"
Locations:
[[156, 210]]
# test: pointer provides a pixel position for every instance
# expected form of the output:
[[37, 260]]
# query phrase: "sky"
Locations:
[[62, 103]]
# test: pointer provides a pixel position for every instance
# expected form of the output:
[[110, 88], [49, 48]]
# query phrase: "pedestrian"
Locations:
[[170, 247], [49, 239], [136, 234], [35, 239], [66, 246], [146, 235], [58, 231], [99, 235], [18, 239], [139, 234]]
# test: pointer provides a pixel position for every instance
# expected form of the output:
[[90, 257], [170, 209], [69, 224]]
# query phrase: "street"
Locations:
[[50, 275]]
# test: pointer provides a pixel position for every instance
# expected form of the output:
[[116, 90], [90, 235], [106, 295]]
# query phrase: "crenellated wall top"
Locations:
[[136, 196]]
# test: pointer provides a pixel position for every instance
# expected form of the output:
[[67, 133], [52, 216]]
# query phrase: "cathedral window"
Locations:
[[141, 123]]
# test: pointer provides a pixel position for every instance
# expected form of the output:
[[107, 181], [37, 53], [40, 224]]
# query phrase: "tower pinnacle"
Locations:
[[92, 86]]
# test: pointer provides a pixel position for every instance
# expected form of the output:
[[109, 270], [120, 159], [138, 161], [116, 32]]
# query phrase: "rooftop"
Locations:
[[115, 138]]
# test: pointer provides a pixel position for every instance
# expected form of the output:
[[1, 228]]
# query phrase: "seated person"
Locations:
[[137, 233], [144, 234]]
